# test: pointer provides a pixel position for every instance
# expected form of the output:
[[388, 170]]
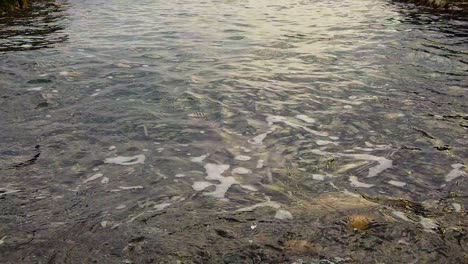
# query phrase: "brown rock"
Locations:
[[359, 222], [300, 247]]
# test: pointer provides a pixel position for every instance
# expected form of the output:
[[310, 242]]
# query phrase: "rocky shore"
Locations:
[[443, 3], [11, 5]]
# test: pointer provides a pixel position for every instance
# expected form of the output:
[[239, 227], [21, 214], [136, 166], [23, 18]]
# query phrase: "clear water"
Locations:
[[115, 111]]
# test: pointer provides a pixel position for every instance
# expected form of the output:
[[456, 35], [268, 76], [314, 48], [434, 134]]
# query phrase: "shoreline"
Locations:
[[12, 5], [440, 4]]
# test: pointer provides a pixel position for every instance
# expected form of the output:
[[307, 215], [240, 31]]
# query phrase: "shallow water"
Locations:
[[114, 111]]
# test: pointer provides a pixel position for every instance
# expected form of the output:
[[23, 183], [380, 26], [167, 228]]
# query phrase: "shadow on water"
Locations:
[[448, 21], [39, 26], [443, 38]]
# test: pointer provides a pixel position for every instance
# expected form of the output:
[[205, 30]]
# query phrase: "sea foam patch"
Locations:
[[455, 172], [305, 119], [215, 172], [199, 159], [383, 163], [241, 170], [126, 161], [356, 183], [242, 158], [93, 177]]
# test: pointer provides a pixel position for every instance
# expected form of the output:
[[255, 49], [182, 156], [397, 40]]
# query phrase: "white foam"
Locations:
[[94, 177], [199, 159], [457, 207], [249, 187], [34, 89], [318, 177], [180, 175], [340, 100], [258, 140], [402, 215], [215, 172], [105, 180], [356, 183], [429, 224], [131, 187], [223, 187], [363, 149], [242, 158], [246, 150], [455, 172], [126, 161], [201, 185], [123, 65], [161, 206], [384, 163], [325, 142], [314, 132], [346, 192], [5, 191], [241, 170], [306, 119], [260, 164], [397, 183], [251, 208], [283, 215], [271, 120], [122, 206]]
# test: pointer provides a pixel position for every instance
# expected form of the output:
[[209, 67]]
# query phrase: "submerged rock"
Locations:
[[300, 247], [359, 222]]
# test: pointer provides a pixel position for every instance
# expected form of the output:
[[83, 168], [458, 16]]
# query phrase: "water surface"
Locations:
[[214, 131]]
